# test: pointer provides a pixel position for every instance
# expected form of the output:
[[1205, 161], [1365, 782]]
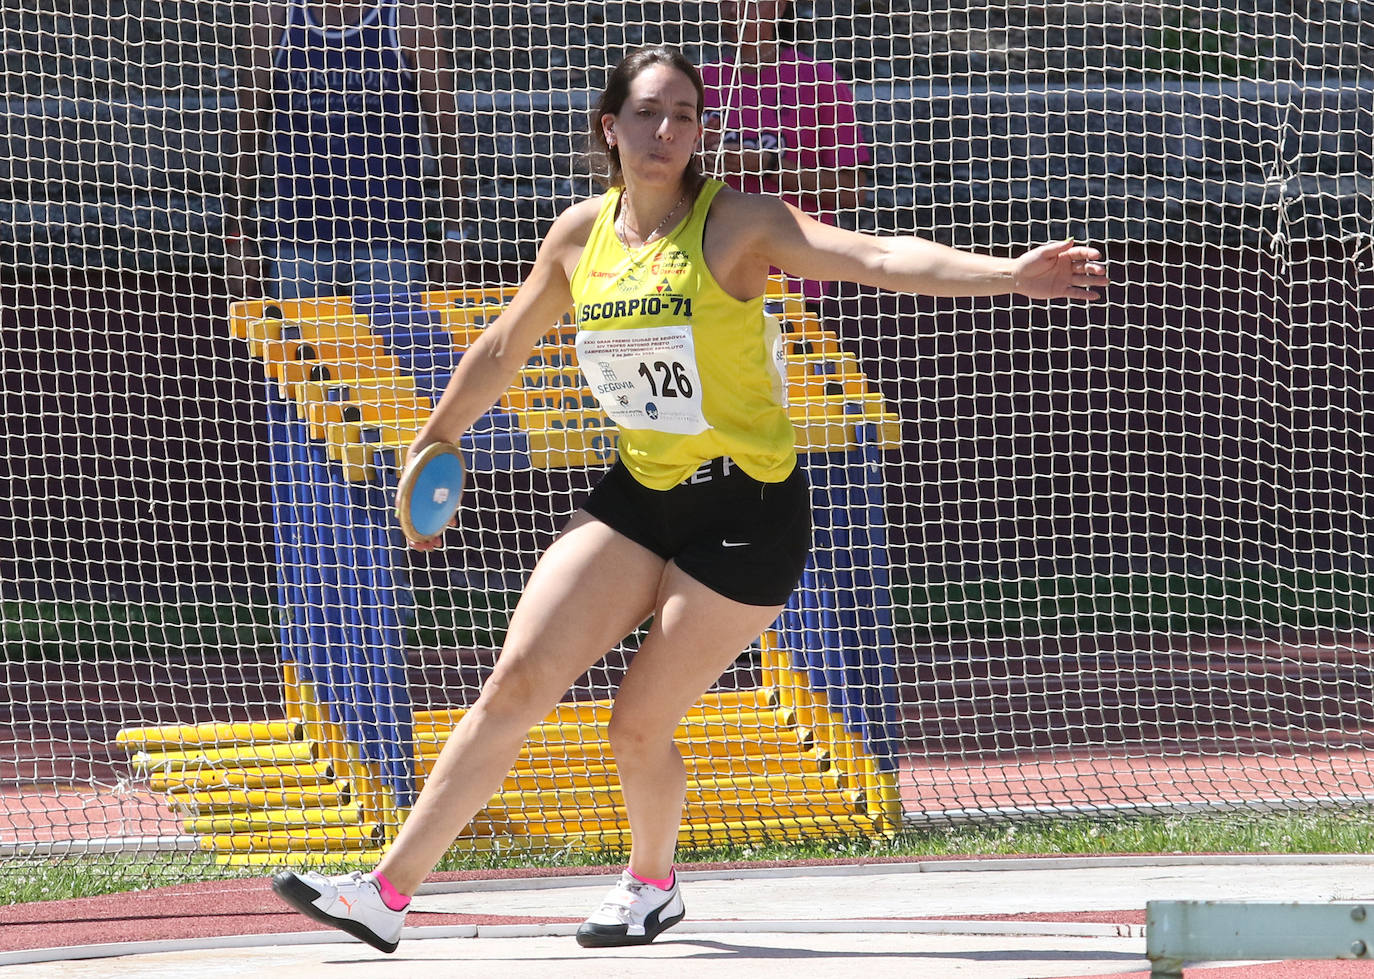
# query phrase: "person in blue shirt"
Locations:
[[336, 99]]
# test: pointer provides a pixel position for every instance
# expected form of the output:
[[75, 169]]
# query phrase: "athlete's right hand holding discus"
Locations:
[[702, 527]]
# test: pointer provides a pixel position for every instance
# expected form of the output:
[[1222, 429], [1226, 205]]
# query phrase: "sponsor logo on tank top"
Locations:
[[671, 307]]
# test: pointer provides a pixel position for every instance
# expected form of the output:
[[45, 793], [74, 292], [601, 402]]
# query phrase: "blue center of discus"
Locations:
[[438, 488]]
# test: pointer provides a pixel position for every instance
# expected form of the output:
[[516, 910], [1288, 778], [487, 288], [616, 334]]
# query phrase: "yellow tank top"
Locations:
[[686, 371]]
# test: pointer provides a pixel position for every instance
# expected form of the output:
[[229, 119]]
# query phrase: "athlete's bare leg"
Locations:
[[590, 589], [696, 634]]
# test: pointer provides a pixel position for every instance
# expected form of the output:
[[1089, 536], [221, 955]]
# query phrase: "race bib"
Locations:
[[645, 378]]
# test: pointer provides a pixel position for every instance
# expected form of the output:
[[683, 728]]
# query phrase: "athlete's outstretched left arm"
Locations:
[[798, 244]]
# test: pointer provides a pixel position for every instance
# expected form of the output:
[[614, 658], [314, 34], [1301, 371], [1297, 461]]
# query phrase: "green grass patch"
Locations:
[[1204, 44], [1233, 832], [1314, 832], [460, 618], [1245, 599], [131, 631], [90, 875]]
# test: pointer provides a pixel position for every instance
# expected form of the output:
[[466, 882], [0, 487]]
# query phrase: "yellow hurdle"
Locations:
[[706, 729], [833, 431], [822, 343], [728, 699], [598, 711], [777, 786], [821, 365], [780, 829], [774, 762], [251, 777], [769, 763], [805, 325], [695, 814], [339, 329], [214, 735], [239, 756], [477, 296], [469, 320], [573, 448], [793, 807], [340, 860], [828, 404], [318, 730], [378, 370], [698, 767], [713, 834], [731, 724], [321, 796], [801, 387], [884, 799], [358, 459], [373, 390], [271, 820], [545, 378], [537, 755], [302, 841], [354, 348], [543, 800], [291, 694], [522, 400], [340, 367], [396, 414], [769, 658], [244, 312]]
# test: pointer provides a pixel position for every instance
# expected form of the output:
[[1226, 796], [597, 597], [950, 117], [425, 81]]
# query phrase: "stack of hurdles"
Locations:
[[771, 763]]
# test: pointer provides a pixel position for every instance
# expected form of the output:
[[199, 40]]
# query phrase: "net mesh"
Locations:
[[1068, 559]]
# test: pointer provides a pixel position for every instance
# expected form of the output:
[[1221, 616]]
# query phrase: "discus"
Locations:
[[429, 492]]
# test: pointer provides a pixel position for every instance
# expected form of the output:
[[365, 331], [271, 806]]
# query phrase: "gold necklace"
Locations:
[[620, 226]]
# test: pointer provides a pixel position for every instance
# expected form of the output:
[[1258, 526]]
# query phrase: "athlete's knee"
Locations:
[[633, 735], [514, 697]]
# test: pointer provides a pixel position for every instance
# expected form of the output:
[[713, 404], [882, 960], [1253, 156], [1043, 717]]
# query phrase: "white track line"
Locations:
[[982, 864], [859, 926], [921, 926]]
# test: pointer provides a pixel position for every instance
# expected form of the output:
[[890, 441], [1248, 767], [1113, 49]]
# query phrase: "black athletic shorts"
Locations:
[[744, 539]]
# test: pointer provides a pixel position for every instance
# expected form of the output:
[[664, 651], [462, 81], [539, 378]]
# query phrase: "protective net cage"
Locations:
[[1069, 559]]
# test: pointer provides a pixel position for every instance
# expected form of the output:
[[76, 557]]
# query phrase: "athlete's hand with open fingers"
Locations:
[[1060, 270]]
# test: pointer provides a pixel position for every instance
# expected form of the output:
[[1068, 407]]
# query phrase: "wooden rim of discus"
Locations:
[[405, 489]]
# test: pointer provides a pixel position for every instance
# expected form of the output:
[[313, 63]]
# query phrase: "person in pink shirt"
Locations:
[[778, 122]]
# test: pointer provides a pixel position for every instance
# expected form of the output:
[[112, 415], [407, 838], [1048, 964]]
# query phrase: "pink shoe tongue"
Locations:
[[666, 884], [391, 897]]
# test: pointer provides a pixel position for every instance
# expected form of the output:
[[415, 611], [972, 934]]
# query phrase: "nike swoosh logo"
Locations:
[[734, 543]]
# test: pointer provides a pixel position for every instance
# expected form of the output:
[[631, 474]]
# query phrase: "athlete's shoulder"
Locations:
[[573, 227], [744, 225], [741, 208], [580, 216]]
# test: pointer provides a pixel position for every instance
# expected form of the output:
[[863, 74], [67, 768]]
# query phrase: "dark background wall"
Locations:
[[117, 115], [1213, 412], [1103, 506], [1211, 409]]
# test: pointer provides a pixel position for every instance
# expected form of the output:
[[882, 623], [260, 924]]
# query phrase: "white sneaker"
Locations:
[[351, 903], [634, 913]]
